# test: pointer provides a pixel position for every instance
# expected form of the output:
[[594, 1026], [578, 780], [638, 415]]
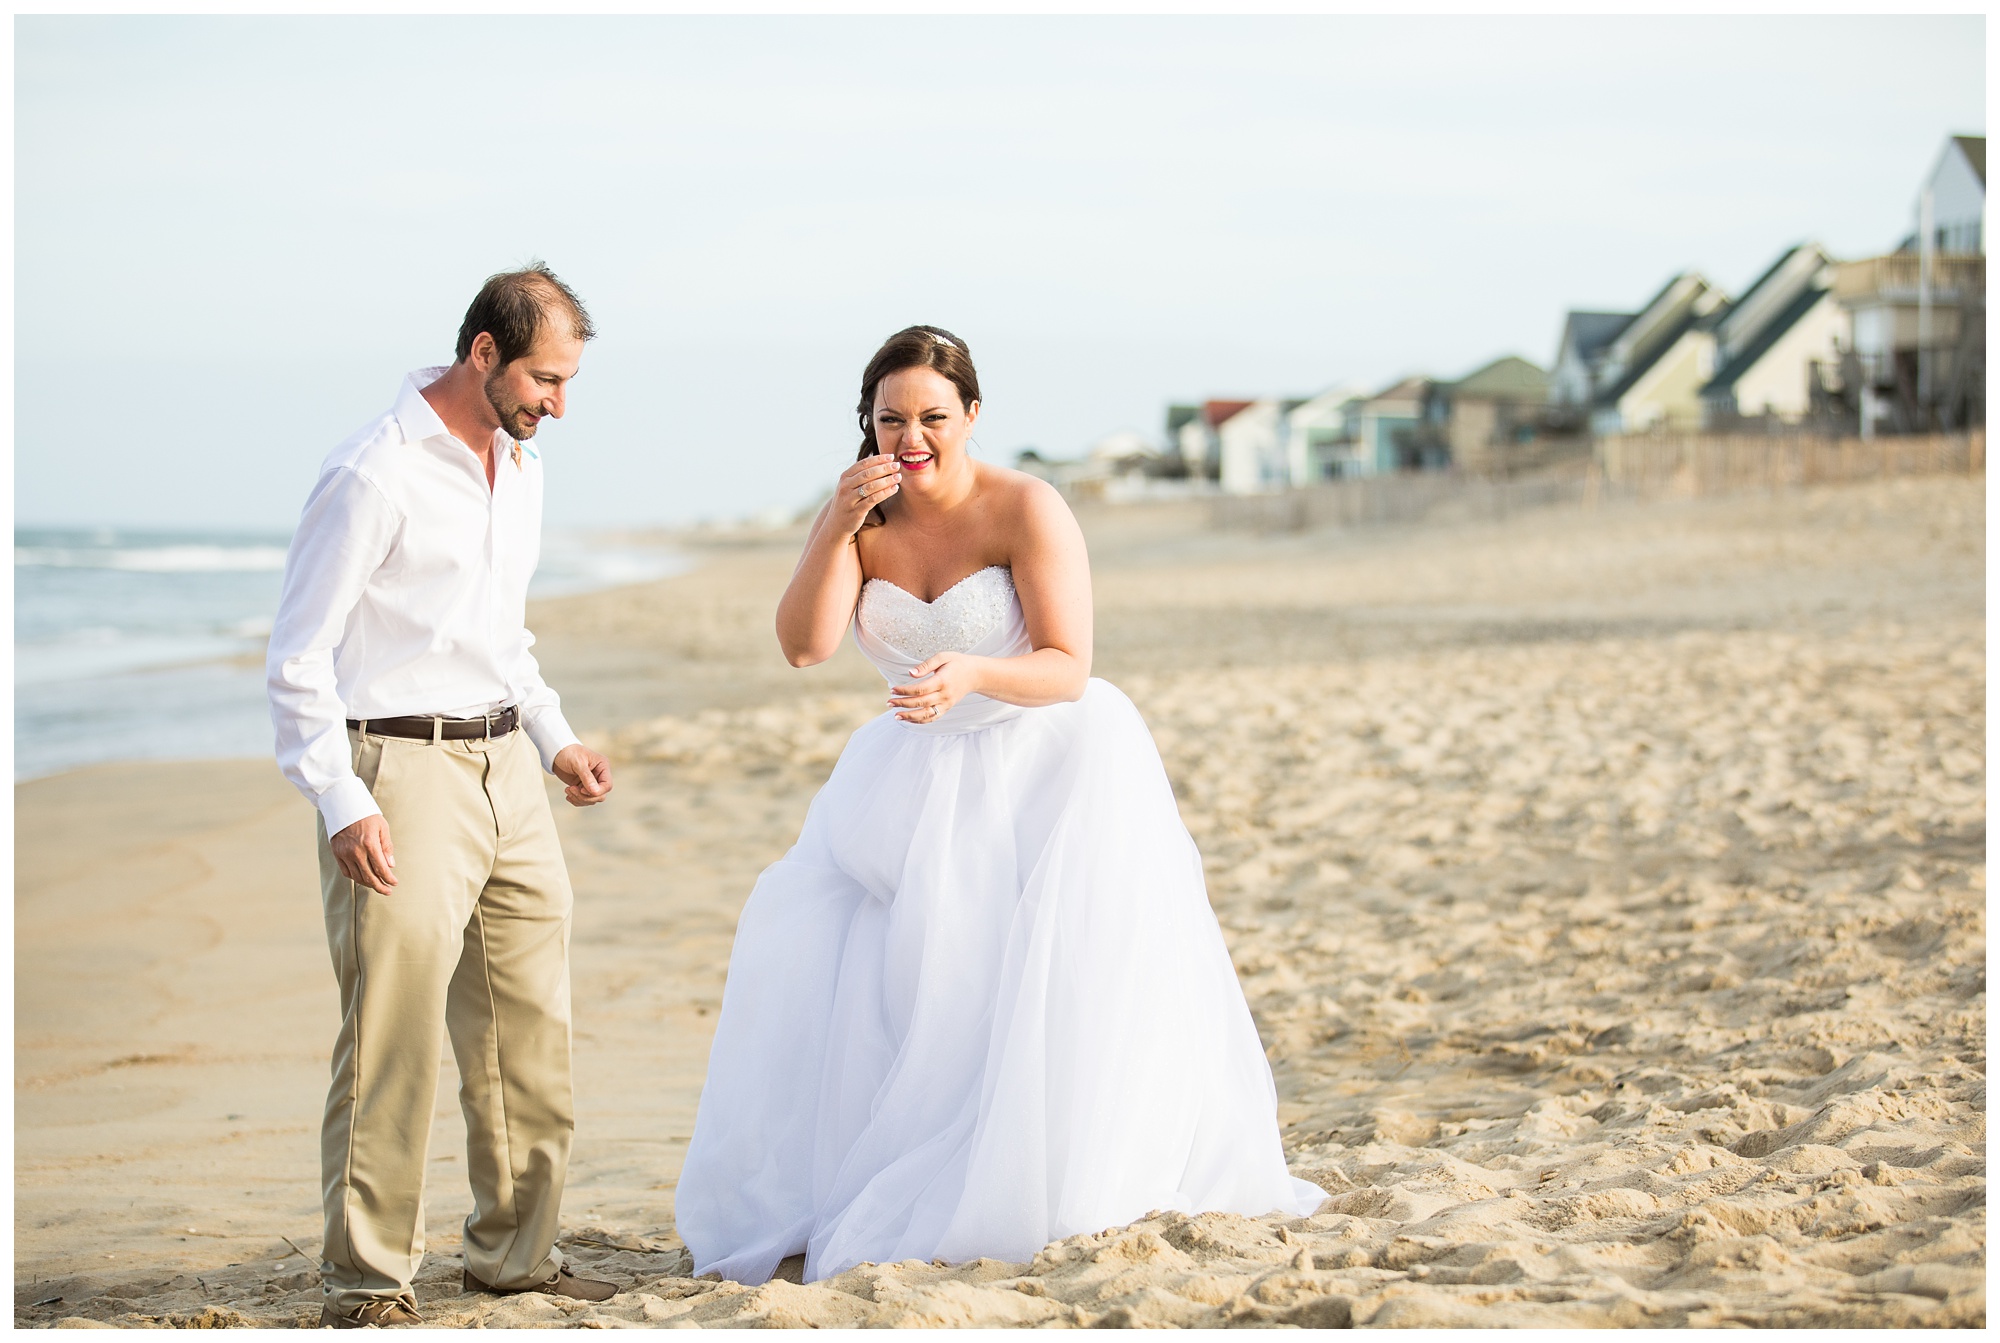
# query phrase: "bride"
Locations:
[[982, 1004]]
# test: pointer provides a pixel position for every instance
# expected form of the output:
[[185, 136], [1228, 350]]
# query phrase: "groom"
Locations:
[[410, 712]]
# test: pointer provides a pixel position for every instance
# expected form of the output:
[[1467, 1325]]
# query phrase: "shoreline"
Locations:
[[102, 717], [1609, 897]]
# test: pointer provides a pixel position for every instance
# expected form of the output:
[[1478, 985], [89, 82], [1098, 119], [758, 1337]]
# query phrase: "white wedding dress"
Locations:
[[983, 1003]]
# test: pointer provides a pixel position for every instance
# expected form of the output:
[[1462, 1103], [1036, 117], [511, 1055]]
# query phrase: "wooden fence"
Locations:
[[1664, 466], [1693, 465], [1404, 497]]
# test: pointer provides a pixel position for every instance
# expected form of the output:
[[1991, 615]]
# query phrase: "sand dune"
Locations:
[[1608, 888]]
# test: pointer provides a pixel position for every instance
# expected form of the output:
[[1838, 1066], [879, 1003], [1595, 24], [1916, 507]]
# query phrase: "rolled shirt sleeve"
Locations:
[[344, 534]]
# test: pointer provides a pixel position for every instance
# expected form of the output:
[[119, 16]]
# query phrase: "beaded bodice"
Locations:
[[979, 614], [958, 619]]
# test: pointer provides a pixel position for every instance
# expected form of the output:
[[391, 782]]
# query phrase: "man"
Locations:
[[411, 713]]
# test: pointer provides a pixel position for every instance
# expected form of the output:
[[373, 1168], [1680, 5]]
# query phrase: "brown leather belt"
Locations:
[[429, 728]]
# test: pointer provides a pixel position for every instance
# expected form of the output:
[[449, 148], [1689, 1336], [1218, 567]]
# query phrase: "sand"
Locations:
[[1608, 887]]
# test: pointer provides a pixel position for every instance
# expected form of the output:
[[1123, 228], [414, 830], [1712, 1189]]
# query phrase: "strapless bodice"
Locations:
[[979, 614]]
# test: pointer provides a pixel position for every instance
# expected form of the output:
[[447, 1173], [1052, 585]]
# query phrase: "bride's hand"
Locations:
[[934, 686], [862, 486]]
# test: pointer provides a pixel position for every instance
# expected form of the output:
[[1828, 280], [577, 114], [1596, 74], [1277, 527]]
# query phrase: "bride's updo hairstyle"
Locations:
[[913, 347]]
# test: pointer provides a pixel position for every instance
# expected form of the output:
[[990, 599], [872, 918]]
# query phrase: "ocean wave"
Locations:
[[176, 559], [95, 652], [567, 568]]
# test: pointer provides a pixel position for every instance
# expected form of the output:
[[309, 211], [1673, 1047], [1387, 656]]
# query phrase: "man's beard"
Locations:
[[515, 418]]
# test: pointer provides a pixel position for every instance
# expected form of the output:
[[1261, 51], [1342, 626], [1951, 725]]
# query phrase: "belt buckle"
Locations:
[[489, 727]]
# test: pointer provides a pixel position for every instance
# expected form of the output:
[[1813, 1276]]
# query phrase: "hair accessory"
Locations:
[[942, 340]]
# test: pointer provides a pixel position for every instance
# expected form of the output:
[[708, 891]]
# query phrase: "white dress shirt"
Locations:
[[405, 592]]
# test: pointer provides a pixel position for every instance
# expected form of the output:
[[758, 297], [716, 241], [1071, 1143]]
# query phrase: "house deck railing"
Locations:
[[1898, 276]]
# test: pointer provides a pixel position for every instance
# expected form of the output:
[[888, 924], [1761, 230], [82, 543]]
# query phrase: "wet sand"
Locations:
[[1608, 888]]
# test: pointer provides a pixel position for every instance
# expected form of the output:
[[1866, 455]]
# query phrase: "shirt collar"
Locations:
[[419, 420], [413, 413]]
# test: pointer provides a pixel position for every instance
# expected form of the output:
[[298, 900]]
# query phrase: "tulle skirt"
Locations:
[[981, 1005]]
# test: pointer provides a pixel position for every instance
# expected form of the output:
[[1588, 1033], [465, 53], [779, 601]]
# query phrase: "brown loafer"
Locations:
[[390, 1313], [564, 1283]]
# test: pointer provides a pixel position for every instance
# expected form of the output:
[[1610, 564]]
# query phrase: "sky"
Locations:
[[234, 236]]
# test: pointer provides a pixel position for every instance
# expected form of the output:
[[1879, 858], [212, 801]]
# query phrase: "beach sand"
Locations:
[[1608, 887]]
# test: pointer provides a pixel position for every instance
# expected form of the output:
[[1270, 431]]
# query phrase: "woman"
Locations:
[[983, 1003]]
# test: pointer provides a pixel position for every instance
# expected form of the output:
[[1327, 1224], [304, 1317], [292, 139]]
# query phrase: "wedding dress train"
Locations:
[[983, 1003]]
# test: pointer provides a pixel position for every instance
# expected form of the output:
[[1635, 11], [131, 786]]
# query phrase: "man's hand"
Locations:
[[365, 854], [587, 773]]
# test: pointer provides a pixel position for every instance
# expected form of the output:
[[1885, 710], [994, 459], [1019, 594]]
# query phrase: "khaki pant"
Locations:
[[473, 941]]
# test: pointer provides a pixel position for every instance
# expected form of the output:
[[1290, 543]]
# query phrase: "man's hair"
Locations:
[[513, 306]]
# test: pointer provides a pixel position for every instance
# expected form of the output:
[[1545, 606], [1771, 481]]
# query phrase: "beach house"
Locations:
[[1651, 373], [1586, 337], [1179, 416], [1252, 447], [1494, 408], [1391, 433], [1951, 203], [1125, 451], [1919, 313], [1322, 435], [1769, 342], [1198, 434]]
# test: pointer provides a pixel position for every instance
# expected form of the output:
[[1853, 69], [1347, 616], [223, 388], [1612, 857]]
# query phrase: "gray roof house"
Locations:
[[1489, 411], [1650, 375], [1604, 358], [1768, 340], [1585, 338]]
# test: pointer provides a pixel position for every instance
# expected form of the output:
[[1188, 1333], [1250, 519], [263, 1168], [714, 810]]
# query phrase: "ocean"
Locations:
[[149, 645]]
